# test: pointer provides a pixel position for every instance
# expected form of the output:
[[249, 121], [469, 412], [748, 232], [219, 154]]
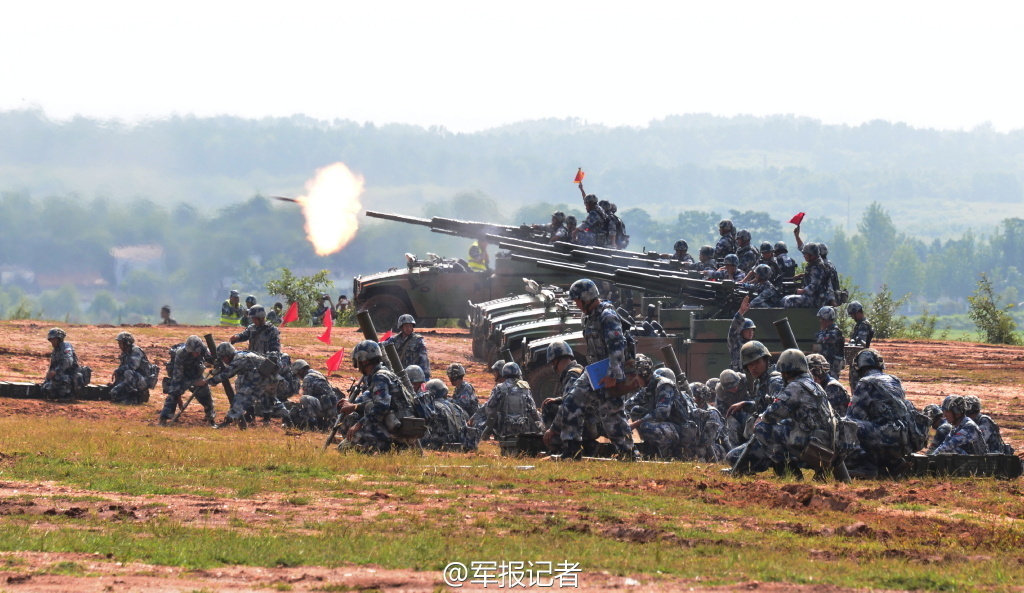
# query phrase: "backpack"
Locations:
[[918, 425], [150, 371], [171, 353]]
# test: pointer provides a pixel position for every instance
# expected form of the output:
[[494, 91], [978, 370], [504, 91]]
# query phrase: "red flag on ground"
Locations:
[[579, 176], [334, 362], [328, 323], [291, 315], [797, 219], [386, 336]]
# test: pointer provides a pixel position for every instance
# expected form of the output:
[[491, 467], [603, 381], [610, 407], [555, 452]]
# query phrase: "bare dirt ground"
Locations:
[[929, 370]]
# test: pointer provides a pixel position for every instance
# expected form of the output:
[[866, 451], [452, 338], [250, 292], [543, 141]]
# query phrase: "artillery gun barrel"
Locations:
[[399, 218], [786, 335], [366, 326]]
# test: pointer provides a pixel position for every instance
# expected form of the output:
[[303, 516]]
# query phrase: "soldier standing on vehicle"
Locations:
[[727, 240], [231, 310], [410, 345], [741, 331]]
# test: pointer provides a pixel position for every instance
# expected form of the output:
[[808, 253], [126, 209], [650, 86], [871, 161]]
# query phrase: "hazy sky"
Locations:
[[477, 64]]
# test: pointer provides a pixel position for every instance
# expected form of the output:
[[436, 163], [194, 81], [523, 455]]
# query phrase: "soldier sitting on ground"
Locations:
[[465, 394], [989, 429], [64, 376], [878, 406], [510, 411], [384, 396], [317, 408], [964, 437], [712, 444], [939, 424], [667, 428], [447, 425], [131, 377]]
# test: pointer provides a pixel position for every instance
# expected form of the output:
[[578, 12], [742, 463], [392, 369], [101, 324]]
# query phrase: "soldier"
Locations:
[[787, 267], [964, 437], [130, 379], [410, 345], [829, 341], [768, 259], [800, 417], [562, 360], [642, 402], [593, 230], [326, 307], [765, 385], [557, 227], [231, 311], [496, 370], [942, 428], [727, 240], [706, 255], [767, 294], [448, 421], [667, 428], [681, 248], [250, 385], [862, 332], [185, 371], [465, 395], [712, 443], [64, 376], [816, 291], [838, 396], [741, 331], [318, 405], [730, 390], [416, 376], [989, 429], [383, 395], [602, 329], [621, 239], [833, 274], [510, 411], [262, 337], [250, 302], [165, 316], [879, 408], [479, 261], [729, 271], [570, 228], [746, 254]]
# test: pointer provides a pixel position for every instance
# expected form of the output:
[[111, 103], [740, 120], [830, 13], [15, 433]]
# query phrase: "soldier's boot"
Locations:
[[742, 467], [242, 423], [572, 450], [590, 448], [225, 423], [163, 421], [788, 468], [210, 419]]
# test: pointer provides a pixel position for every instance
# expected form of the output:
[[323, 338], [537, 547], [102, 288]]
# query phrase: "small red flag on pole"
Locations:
[[328, 323], [385, 336], [579, 176], [797, 219], [334, 362], [291, 315]]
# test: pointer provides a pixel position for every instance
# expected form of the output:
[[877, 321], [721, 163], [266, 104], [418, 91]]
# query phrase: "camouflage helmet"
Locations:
[[233, 293], [818, 365], [558, 349], [298, 366], [558, 216], [752, 351], [436, 388], [126, 337], [827, 313], [822, 250], [955, 404], [258, 312], [700, 391], [570, 221], [681, 245], [415, 373], [403, 319], [584, 290], [510, 370], [780, 247], [868, 358], [748, 323], [56, 333], [763, 271], [743, 235], [666, 373], [712, 385], [707, 251], [194, 344], [973, 404], [730, 379], [854, 307], [932, 411], [792, 361], [590, 200], [765, 247], [365, 351], [726, 225], [612, 207], [644, 366], [250, 300], [604, 204], [496, 367], [811, 250], [225, 349], [456, 371], [731, 260]]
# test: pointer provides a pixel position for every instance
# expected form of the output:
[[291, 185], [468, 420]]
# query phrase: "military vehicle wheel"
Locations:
[[385, 310], [543, 383]]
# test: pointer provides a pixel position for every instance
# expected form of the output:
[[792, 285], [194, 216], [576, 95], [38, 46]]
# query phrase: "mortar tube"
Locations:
[[785, 332]]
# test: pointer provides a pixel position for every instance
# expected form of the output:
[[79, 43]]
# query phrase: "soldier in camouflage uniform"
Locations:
[[747, 255], [262, 337], [250, 385], [384, 396], [448, 422], [862, 332], [250, 302], [727, 240], [465, 395], [602, 329], [879, 408], [767, 294], [557, 228], [593, 230], [989, 429], [410, 345], [799, 416], [706, 261], [741, 331], [317, 408], [510, 411], [681, 248], [764, 386], [712, 442], [729, 271], [768, 259], [964, 437], [829, 341], [732, 389], [667, 428], [265, 339], [563, 362], [838, 396], [130, 378], [63, 376], [816, 291], [186, 373], [642, 402], [417, 377], [787, 267], [939, 424]]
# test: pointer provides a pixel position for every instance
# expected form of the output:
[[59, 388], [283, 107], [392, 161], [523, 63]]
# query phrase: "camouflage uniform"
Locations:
[[318, 406], [64, 364], [879, 409], [830, 342], [250, 384], [262, 339], [735, 423], [963, 439], [735, 341], [712, 442], [838, 396], [748, 257], [800, 413], [130, 377], [787, 266], [668, 430], [411, 350], [509, 412], [376, 404], [862, 332], [817, 290], [686, 259], [552, 413], [602, 330], [185, 371], [465, 398], [740, 425], [767, 295], [990, 435], [940, 435], [726, 245], [593, 230], [448, 425]]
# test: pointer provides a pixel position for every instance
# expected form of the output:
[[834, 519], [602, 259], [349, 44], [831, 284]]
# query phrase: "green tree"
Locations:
[[904, 273], [304, 290], [885, 320], [880, 237], [993, 320]]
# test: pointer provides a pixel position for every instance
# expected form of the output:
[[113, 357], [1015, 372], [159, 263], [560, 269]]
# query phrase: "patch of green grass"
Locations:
[[299, 500], [65, 568]]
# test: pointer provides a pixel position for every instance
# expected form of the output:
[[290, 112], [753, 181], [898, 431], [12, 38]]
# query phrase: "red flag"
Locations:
[[385, 336], [291, 315], [797, 219], [328, 323], [579, 176], [334, 362]]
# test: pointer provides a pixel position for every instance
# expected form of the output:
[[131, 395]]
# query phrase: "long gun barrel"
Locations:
[[228, 389], [467, 229]]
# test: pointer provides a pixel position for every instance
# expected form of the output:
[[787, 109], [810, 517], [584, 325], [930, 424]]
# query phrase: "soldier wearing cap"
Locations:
[[129, 381], [964, 437], [829, 341], [838, 396], [63, 376], [231, 310], [410, 345]]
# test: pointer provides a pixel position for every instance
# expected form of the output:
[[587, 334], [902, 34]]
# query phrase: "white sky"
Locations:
[[469, 65]]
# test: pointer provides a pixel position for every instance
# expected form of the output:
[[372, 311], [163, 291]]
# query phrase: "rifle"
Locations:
[[219, 366], [353, 392], [183, 406], [672, 361]]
